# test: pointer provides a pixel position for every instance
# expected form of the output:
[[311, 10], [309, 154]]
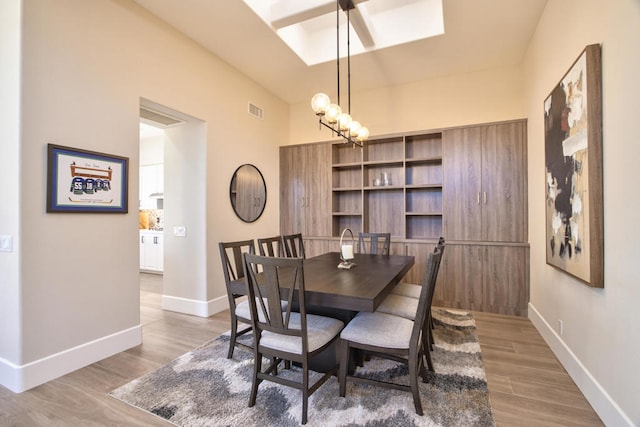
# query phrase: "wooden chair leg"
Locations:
[[234, 332], [344, 362], [430, 332], [257, 367], [305, 392], [415, 390], [427, 346]]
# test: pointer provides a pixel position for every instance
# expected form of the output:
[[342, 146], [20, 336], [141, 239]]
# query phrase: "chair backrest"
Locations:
[[279, 277], [232, 264], [271, 246], [374, 243], [426, 296], [293, 246]]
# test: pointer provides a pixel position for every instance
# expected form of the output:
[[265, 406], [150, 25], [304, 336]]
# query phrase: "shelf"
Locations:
[[383, 188], [347, 189], [425, 160], [347, 166], [410, 207], [390, 163]]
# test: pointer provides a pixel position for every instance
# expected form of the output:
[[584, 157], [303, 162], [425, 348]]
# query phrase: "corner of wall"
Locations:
[[596, 395]]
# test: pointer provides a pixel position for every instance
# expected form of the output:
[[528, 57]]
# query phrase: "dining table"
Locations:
[[342, 293], [360, 288]]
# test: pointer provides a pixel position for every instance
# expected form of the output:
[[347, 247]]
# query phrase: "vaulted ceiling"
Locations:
[[478, 34]]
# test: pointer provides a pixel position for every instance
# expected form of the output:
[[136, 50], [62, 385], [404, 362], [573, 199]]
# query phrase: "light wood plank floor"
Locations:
[[528, 387]]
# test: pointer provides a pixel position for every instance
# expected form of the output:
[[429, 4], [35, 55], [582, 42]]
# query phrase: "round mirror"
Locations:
[[248, 193]]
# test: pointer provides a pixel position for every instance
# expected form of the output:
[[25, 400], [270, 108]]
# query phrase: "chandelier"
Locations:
[[331, 115]]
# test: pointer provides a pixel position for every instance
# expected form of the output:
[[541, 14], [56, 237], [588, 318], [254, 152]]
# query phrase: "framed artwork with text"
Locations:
[[86, 181]]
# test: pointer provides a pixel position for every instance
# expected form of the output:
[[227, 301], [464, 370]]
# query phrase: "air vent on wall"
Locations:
[[160, 118], [256, 111]]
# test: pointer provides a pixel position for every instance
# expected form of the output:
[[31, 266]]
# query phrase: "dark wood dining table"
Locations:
[[361, 288], [341, 294]]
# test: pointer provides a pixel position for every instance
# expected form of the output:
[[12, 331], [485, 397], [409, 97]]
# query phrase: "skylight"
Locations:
[[309, 27]]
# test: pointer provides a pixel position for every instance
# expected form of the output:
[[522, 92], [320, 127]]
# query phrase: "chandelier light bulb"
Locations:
[[332, 113], [363, 134], [320, 102], [354, 128], [344, 121]]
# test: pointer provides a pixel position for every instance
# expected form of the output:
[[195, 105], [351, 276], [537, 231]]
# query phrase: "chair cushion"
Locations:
[[408, 290], [243, 310], [320, 330], [399, 305], [379, 329]]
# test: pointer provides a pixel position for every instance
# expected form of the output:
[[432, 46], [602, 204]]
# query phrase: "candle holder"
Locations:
[[346, 251]]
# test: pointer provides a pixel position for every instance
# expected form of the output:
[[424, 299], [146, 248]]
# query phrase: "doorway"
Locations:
[[177, 211]]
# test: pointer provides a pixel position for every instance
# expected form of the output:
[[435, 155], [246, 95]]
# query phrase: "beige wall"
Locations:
[[10, 18], [86, 65], [479, 97], [599, 346]]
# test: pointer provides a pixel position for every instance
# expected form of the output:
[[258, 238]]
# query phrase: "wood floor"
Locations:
[[528, 387]]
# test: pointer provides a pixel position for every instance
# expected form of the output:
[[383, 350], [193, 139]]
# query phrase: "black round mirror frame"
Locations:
[[248, 193]]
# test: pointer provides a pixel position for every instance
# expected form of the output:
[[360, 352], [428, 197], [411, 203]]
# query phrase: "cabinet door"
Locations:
[[305, 190], [463, 285], [292, 182], [503, 189], [462, 184], [158, 244], [485, 278], [143, 247], [317, 211], [505, 289]]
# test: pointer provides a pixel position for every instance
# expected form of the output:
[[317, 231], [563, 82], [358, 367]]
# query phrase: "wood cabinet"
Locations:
[[492, 278], [467, 184], [485, 183], [305, 189], [151, 251], [391, 185]]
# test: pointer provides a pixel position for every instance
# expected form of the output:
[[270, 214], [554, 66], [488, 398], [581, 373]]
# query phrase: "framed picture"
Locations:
[[86, 181], [573, 164]]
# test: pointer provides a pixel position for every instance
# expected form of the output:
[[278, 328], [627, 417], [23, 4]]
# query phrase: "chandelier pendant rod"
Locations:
[[340, 123], [348, 63], [338, 47]]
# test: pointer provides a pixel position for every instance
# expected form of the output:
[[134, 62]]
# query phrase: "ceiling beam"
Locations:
[[362, 25], [289, 12]]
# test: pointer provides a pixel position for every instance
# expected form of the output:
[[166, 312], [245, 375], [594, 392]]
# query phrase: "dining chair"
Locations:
[[284, 334], [391, 337], [233, 269], [374, 243], [293, 245], [405, 306], [271, 246], [412, 290]]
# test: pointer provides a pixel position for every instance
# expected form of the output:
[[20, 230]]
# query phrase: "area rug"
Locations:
[[204, 388]]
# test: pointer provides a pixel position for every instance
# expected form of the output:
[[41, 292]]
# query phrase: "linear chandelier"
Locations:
[[331, 115]]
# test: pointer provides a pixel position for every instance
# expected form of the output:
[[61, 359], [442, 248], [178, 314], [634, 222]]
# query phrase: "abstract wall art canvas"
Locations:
[[573, 163]]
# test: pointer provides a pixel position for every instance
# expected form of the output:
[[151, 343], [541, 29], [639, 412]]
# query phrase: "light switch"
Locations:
[[6, 244], [180, 231]]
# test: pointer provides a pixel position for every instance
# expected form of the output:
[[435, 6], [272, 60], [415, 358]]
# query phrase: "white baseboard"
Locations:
[[194, 307], [19, 378], [606, 408]]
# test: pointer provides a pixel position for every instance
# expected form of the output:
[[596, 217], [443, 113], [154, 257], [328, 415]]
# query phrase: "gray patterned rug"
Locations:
[[203, 388]]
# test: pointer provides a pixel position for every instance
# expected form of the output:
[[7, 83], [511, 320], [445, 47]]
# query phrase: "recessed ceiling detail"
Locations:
[[309, 27]]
